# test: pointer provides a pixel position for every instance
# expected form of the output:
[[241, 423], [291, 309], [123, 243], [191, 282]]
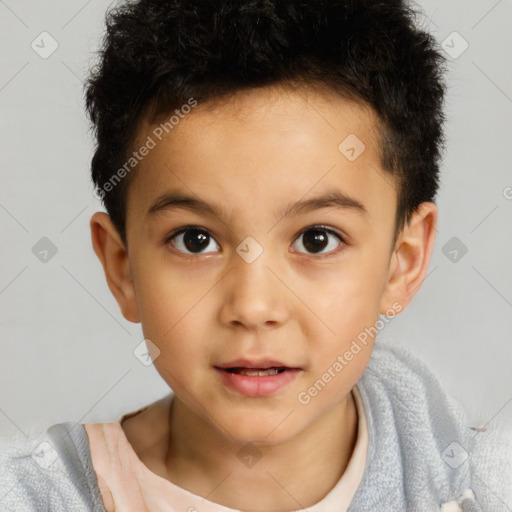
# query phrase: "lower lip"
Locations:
[[257, 385]]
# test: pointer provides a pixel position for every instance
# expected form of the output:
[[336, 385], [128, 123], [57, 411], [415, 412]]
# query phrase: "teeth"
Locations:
[[255, 372]]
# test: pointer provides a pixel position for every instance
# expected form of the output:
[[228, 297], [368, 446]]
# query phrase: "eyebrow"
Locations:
[[178, 200]]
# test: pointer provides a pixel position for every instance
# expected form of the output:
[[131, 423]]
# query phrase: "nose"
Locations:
[[253, 296]]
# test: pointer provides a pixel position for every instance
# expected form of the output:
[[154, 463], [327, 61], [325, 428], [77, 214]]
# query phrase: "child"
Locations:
[[299, 142]]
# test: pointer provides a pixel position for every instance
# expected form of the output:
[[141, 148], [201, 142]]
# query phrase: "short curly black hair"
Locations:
[[157, 54]]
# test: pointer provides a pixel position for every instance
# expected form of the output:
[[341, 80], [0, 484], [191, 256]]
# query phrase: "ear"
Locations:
[[113, 255], [410, 258]]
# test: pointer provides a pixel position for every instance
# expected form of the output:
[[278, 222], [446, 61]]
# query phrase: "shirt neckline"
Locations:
[[346, 487]]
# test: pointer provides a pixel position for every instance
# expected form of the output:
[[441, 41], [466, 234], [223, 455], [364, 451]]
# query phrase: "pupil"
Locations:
[[195, 242], [316, 242]]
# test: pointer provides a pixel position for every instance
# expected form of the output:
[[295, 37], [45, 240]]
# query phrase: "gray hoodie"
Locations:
[[422, 454]]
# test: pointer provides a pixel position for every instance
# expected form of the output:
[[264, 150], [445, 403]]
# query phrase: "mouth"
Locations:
[[257, 378], [261, 367], [261, 372]]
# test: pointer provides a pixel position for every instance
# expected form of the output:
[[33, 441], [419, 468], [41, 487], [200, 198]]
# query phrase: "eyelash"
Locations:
[[317, 227]]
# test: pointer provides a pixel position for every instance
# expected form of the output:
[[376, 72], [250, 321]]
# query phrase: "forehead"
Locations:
[[272, 146]]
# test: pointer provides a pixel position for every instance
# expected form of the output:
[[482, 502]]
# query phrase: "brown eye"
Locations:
[[316, 240], [193, 241]]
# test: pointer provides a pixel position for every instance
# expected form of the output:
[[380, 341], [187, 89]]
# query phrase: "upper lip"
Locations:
[[260, 364]]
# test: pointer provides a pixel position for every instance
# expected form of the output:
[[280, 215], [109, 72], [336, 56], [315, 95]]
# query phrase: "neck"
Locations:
[[293, 474]]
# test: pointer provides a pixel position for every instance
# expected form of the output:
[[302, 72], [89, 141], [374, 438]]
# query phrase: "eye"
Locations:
[[193, 239], [197, 240], [316, 239]]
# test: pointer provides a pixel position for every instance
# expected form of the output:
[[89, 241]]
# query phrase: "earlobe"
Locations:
[[112, 253], [411, 256]]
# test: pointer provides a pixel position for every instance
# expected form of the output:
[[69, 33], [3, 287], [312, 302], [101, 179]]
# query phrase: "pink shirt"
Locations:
[[127, 485]]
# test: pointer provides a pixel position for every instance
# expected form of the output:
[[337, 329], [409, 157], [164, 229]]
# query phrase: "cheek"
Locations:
[[166, 297], [352, 301], [184, 347], [173, 309], [349, 309]]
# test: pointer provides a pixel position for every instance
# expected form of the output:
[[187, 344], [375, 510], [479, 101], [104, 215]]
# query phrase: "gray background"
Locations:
[[66, 350]]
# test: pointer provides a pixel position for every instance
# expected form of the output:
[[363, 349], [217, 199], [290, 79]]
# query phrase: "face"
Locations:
[[253, 234]]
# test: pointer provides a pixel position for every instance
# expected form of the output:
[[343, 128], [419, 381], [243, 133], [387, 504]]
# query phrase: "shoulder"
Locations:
[[405, 381], [491, 464], [399, 383], [427, 432], [49, 471]]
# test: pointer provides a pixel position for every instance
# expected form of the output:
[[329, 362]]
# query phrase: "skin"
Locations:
[[264, 149]]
